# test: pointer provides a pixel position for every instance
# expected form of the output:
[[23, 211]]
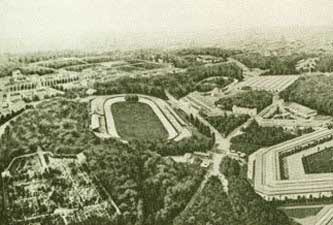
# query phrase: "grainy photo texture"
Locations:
[[160, 112]]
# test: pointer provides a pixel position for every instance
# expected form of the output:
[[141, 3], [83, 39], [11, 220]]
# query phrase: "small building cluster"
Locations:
[[252, 112], [307, 65], [290, 115], [17, 90]]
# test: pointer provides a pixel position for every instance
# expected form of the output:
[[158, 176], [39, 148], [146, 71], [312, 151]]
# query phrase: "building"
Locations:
[[216, 92], [300, 110], [292, 118], [273, 84], [18, 83], [265, 166], [243, 110], [95, 124], [307, 65]]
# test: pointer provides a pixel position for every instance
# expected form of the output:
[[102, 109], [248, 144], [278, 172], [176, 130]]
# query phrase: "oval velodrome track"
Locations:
[[173, 124]]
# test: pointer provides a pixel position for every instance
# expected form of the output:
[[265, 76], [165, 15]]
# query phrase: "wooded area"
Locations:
[[312, 91], [256, 137]]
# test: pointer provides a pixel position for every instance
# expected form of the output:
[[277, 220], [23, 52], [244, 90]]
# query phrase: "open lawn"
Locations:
[[301, 213], [320, 162], [137, 121]]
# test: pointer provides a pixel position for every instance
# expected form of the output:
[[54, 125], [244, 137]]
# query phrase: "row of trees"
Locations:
[[131, 98], [5, 118], [217, 52], [185, 58], [202, 128]]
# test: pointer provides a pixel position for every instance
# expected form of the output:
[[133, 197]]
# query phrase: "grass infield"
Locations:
[[320, 162], [136, 120]]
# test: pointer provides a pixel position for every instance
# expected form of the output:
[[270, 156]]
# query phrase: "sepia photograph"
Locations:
[[166, 112]]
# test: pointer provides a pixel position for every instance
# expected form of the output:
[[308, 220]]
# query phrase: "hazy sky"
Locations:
[[42, 24]]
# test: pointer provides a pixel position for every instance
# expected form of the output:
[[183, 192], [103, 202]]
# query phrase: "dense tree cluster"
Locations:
[[211, 206], [252, 209], [249, 99], [209, 84], [276, 65], [255, 137], [241, 206], [132, 98], [325, 63], [248, 206], [131, 85], [312, 91], [148, 189], [227, 123], [185, 58], [7, 67], [203, 128], [30, 70], [183, 83], [230, 167], [2, 210], [231, 70], [179, 84], [58, 126], [58, 64], [197, 143]]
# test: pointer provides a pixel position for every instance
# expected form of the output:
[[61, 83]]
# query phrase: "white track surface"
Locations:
[[173, 124]]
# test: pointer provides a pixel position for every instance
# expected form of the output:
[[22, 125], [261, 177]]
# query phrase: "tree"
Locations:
[[229, 167]]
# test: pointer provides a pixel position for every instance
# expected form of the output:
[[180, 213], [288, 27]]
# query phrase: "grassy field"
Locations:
[[301, 213], [137, 121], [320, 162]]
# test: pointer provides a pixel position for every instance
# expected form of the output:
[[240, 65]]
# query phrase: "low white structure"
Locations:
[[265, 118], [307, 65], [95, 124], [243, 110], [300, 110], [274, 84]]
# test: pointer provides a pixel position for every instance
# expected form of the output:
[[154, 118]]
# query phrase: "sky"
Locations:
[[27, 25]]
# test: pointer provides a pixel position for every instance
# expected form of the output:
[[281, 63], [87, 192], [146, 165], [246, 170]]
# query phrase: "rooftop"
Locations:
[[299, 108]]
